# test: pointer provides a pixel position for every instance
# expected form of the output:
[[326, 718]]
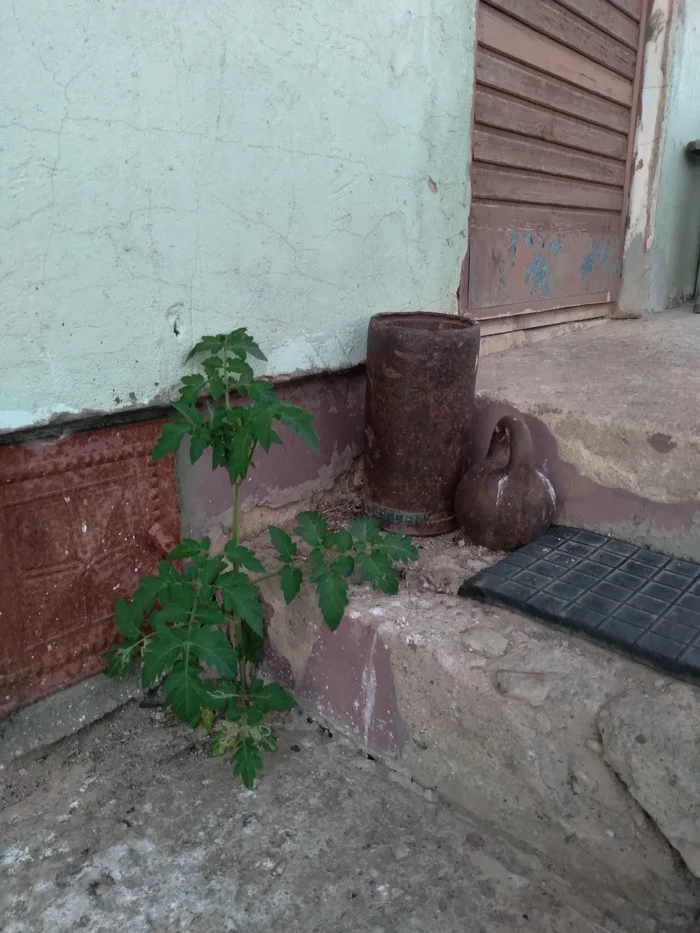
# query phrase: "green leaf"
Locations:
[[254, 715], [161, 652], [272, 698], [214, 648], [283, 544], [344, 565], [242, 557], [320, 571], [216, 386], [266, 737], [211, 569], [191, 389], [148, 592], [332, 592], [170, 439], [210, 614], [365, 531], [291, 579], [198, 443], [173, 612], [377, 568], [185, 693], [242, 344], [188, 412], [241, 597], [121, 657], [238, 461], [127, 618], [167, 572], [311, 528], [247, 761], [399, 547], [301, 423], [240, 368], [260, 392], [208, 345], [188, 547], [261, 427], [343, 540]]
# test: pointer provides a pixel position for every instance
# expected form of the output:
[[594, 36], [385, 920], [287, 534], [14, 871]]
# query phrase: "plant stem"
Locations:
[[235, 520]]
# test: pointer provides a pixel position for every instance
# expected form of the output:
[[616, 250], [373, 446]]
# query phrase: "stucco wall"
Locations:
[[177, 168], [663, 234], [678, 225]]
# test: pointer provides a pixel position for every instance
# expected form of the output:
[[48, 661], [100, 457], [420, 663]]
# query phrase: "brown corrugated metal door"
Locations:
[[554, 114]]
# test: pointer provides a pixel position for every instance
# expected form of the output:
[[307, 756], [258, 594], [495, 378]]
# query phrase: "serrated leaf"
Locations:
[[344, 565], [188, 547], [261, 426], [148, 592], [378, 569], [192, 387], [211, 569], [198, 443], [210, 614], [170, 439], [161, 652], [283, 544], [247, 761], [241, 556], [216, 386], [273, 698], [127, 618], [311, 528], [343, 540], [365, 531], [291, 579], [260, 392], [167, 572], [242, 598], [332, 591], [186, 694], [121, 657], [188, 412], [319, 572], [173, 612], [211, 344], [300, 422], [239, 453], [214, 648], [399, 547], [266, 737], [242, 344]]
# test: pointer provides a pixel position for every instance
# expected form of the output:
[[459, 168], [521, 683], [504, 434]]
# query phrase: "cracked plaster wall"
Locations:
[[663, 233], [177, 168]]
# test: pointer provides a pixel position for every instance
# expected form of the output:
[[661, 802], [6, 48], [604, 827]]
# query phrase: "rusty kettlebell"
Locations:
[[505, 502]]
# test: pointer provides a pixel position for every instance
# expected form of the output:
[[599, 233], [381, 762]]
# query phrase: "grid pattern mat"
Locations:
[[638, 601]]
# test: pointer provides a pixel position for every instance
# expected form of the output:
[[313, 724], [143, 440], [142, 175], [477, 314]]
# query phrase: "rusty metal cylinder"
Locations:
[[421, 373]]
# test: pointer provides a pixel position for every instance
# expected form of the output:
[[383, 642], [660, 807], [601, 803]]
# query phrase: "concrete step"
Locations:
[[616, 424], [516, 723]]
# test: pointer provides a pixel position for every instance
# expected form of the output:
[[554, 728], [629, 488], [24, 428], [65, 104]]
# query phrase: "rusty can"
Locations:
[[421, 374]]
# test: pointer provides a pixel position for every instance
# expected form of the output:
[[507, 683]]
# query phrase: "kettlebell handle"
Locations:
[[521, 450]]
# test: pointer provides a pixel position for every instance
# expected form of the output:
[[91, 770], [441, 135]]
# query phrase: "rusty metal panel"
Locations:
[[512, 265], [75, 516]]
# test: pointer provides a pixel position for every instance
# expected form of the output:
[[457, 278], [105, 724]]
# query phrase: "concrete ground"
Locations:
[[127, 825], [615, 422]]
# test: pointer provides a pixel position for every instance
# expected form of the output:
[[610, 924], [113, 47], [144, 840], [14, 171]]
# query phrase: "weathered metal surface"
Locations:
[[510, 266], [505, 502], [421, 373], [75, 516]]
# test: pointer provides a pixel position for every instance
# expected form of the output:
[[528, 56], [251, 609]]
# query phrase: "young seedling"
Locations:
[[200, 630]]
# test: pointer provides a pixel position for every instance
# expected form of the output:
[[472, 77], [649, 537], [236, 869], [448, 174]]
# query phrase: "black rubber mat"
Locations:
[[640, 602]]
